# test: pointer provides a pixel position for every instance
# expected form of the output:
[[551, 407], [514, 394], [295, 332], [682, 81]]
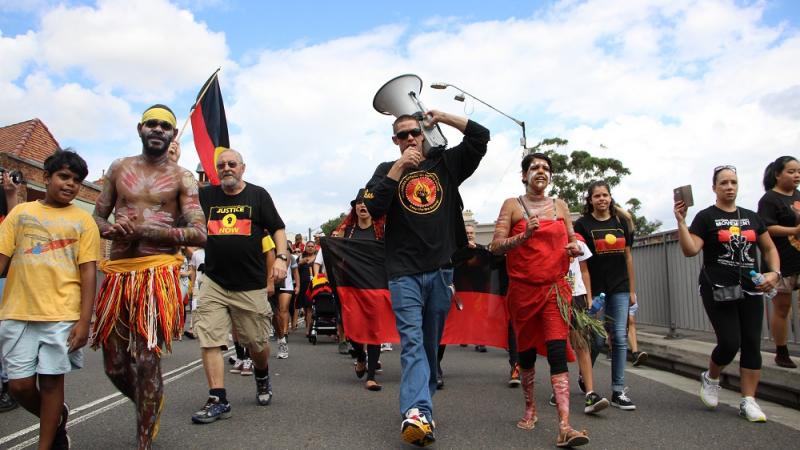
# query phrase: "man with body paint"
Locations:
[[138, 306]]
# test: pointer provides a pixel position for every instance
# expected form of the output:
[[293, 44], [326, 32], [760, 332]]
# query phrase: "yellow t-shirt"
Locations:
[[47, 245]]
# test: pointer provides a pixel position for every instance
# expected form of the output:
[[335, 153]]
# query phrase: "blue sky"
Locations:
[[669, 87]]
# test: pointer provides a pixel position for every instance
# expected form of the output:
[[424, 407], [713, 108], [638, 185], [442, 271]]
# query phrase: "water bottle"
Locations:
[[758, 278], [598, 303]]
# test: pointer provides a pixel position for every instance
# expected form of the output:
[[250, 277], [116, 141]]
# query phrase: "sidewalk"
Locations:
[[688, 355]]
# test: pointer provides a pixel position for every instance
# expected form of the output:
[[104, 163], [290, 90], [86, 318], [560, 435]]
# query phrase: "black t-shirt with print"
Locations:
[[424, 225], [607, 239], [784, 210], [729, 245], [236, 225]]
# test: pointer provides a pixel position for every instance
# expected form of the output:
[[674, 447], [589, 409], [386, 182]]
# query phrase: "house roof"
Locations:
[[30, 139]]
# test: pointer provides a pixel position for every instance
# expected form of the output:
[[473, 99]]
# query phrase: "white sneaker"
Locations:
[[247, 367], [709, 390], [749, 409], [386, 347], [283, 349], [237, 366]]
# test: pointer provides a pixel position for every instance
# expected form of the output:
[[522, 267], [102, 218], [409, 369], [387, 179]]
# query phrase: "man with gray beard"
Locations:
[[240, 215]]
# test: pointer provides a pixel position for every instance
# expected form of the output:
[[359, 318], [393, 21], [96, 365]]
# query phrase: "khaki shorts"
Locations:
[[788, 284], [218, 309]]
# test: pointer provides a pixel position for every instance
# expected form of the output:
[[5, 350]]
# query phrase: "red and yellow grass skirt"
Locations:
[[143, 295]]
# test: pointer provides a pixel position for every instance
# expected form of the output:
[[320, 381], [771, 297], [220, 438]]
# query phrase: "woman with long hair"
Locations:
[[609, 237], [780, 210], [305, 266], [727, 235], [535, 231]]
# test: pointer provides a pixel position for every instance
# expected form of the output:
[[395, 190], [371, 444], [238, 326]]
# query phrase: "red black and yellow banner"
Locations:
[[478, 313], [210, 127]]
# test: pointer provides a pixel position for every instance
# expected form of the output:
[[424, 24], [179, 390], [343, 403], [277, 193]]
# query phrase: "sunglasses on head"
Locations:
[[232, 164], [152, 123], [719, 169], [404, 134]]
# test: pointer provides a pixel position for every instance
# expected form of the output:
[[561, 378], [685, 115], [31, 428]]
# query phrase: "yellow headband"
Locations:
[[159, 114]]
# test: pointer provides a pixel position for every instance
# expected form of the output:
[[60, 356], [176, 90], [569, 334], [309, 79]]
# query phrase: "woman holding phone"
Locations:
[[728, 235]]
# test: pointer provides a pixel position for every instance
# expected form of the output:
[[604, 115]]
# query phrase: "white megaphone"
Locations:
[[400, 96]]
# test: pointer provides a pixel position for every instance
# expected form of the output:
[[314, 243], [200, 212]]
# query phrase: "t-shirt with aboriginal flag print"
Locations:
[[236, 226], [607, 239], [729, 245], [777, 209]]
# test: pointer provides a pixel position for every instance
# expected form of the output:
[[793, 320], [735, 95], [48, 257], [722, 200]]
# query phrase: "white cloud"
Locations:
[[16, 53], [147, 49]]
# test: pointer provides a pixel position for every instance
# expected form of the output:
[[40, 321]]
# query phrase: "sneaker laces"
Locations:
[[624, 395]]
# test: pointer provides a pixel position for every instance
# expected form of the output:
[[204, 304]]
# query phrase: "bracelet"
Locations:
[[778, 272]]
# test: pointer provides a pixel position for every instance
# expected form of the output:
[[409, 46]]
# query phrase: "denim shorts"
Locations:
[[31, 348]]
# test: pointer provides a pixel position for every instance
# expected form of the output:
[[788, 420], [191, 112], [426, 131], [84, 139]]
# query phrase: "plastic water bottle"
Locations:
[[758, 278], [598, 303]]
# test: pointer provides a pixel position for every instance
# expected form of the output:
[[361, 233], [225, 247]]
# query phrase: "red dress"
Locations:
[[537, 271]]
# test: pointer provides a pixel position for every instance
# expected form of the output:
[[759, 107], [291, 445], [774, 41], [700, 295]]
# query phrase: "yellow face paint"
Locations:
[[159, 114]]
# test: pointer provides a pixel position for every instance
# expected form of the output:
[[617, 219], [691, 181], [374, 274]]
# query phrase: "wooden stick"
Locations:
[[199, 99]]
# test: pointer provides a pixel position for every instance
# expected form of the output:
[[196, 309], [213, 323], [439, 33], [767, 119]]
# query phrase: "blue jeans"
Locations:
[[617, 305], [420, 303], [3, 376]]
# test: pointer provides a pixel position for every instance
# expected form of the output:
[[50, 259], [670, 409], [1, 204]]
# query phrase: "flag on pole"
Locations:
[[478, 314], [209, 126]]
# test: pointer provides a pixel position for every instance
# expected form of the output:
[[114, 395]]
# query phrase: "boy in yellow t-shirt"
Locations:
[[49, 293]]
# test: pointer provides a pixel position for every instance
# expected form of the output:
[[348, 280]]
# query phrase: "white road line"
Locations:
[[187, 369]]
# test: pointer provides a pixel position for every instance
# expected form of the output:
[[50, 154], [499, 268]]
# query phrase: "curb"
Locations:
[[690, 357]]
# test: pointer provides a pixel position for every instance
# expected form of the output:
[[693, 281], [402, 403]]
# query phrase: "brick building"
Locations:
[[24, 146]]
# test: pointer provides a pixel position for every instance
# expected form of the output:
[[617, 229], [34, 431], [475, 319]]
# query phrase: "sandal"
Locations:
[[527, 424], [373, 385], [361, 368], [572, 438]]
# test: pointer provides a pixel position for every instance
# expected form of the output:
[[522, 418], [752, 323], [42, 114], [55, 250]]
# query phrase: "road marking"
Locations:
[[186, 368]]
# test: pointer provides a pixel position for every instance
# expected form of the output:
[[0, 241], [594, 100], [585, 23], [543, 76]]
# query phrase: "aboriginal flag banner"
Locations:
[[478, 313], [356, 269], [210, 127]]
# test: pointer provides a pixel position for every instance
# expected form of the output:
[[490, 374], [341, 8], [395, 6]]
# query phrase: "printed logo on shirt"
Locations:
[[230, 220], [609, 240], [420, 192], [736, 243]]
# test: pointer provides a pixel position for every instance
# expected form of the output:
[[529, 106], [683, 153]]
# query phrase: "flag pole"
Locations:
[[199, 99]]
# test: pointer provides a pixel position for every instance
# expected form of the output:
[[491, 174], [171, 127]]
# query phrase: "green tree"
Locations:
[[331, 224], [574, 172], [642, 226]]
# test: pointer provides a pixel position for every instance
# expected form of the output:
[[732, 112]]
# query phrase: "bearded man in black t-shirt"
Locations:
[[234, 293], [418, 193]]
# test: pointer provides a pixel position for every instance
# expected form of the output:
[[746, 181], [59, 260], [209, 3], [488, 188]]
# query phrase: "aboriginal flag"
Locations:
[[478, 314], [209, 126]]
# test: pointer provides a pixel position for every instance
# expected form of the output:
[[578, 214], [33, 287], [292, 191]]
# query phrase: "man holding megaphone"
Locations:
[[418, 193]]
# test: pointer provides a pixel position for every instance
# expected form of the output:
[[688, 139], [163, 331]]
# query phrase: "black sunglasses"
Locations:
[[232, 164], [404, 134], [719, 169]]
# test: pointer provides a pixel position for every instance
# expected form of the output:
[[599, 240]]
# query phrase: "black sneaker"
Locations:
[[594, 403], [639, 358], [231, 360], [480, 348], [7, 402], [622, 401], [581, 385], [212, 411], [61, 440], [263, 391]]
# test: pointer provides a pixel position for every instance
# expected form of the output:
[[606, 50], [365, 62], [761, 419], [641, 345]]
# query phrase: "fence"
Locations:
[[666, 284]]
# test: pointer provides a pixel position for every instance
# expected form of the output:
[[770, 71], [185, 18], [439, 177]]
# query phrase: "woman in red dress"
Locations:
[[535, 232]]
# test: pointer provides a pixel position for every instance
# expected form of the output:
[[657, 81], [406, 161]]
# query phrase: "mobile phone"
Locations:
[[684, 193]]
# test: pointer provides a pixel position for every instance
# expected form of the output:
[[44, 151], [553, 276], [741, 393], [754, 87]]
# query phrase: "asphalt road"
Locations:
[[319, 403]]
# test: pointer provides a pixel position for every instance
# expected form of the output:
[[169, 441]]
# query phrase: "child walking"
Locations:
[[49, 294]]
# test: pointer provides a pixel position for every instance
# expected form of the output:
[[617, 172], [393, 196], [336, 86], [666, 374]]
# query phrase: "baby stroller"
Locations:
[[323, 308]]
